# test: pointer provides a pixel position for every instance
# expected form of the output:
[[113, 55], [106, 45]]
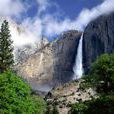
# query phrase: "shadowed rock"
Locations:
[[98, 39]]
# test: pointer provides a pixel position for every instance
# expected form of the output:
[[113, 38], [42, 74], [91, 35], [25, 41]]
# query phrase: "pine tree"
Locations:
[[6, 48]]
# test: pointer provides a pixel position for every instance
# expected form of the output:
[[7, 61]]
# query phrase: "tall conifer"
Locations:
[[6, 48]]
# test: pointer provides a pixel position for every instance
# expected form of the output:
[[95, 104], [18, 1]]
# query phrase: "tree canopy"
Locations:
[[102, 73]]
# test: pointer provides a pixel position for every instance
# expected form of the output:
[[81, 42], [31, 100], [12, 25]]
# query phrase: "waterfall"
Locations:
[[78, 67]]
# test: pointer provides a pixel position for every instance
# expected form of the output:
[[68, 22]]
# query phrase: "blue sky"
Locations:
[[60, 10], [67, 8], [72, 8]]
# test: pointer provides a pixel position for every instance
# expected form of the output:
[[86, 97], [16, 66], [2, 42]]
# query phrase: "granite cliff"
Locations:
[[52, 64], [98, 39]]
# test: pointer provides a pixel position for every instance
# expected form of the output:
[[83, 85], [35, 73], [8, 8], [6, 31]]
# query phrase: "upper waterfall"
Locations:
[[78, 66]]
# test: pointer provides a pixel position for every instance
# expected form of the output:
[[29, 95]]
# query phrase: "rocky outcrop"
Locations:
[[70, 93], [98, 39], [52, 64]]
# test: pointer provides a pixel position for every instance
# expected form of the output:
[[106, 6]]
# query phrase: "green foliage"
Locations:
[[15, 96], [86, 83], [101, 75], [49, 109], [102, 105], [52, 109], [78, 108], [40, 105], [6, 48]]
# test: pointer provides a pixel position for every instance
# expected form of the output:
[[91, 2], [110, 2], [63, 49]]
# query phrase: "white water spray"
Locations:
[[78, 67]]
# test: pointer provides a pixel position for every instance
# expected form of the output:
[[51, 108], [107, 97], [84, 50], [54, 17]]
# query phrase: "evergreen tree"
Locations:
[[6, 48]]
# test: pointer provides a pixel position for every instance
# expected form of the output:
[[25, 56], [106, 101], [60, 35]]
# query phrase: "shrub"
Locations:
[[102, 73], [15, 96], [78, 108], [40, 105], [102, 105]]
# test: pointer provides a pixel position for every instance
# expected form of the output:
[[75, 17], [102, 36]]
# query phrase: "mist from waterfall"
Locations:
[[78, 67]]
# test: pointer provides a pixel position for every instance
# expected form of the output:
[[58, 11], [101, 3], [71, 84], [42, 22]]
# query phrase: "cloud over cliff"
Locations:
[[48, 24]]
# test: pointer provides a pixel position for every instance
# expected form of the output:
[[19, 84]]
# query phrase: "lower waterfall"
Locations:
[[78, 66]]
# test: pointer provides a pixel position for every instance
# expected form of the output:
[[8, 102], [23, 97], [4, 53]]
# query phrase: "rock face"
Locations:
[[24, 52], [98, 39], [53, 63], [68, 94], [64, 52]]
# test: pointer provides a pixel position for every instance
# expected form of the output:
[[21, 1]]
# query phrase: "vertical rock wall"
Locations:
[[98, 39]]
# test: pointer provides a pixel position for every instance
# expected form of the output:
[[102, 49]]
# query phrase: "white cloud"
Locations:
[[87, 15], [11, 8], [54, 26], [43, 5], [20, 34], [33, 25]]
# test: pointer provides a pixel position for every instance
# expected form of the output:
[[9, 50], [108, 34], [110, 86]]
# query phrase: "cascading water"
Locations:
[[78, 67]]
